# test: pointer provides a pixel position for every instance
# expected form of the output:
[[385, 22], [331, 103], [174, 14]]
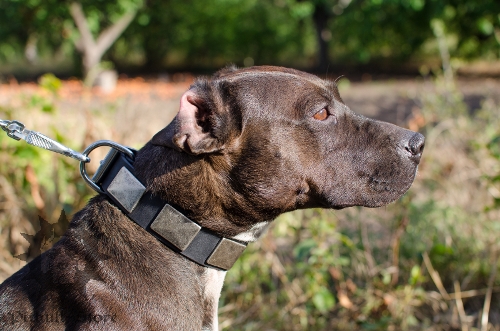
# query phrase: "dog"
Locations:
[[246, 146]]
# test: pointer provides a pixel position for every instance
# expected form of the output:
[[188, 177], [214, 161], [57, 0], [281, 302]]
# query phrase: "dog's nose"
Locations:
[[416, 145]]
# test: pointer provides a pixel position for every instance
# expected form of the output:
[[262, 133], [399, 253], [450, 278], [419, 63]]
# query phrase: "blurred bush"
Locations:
[[208, 34], [34, 182]]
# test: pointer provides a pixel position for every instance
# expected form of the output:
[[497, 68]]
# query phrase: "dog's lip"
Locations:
[[379, 191], [365, 203], [382, 185], [369, 203], [379, 185]]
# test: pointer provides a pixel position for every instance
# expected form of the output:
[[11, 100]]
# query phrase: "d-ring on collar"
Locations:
[[115, 178]]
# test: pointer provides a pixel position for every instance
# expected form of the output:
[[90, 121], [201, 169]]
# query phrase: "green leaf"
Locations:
[[50, 82], [48, 108], [143, 19], [323, 300], [485, 26], [302, 10], [415, 275], [440, 249], [417, 5], [494, 147], [26, 152], [303, 249]]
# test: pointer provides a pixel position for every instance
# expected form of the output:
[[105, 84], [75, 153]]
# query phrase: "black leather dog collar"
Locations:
[[116, 179]]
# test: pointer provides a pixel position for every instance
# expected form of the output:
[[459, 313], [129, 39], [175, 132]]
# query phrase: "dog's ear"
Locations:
[[194, 129], [225, 71]]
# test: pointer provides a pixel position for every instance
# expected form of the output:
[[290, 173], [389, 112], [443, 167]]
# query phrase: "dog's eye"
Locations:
[[321, 115]]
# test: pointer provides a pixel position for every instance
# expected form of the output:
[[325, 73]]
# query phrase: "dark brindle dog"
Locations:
[[246, 146]]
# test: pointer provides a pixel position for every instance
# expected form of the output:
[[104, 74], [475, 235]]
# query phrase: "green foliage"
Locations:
[[54, 178], [323, 300], [213, 33], [50, 83], [397, 29], [23, 18], [210, 34], [101, 14], [493, 147]]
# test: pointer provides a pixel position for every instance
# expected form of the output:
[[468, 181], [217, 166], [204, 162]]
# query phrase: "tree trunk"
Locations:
[[93, 50], [320, 17]]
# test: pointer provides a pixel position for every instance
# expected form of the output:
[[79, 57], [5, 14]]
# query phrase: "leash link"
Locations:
[[16, 130]]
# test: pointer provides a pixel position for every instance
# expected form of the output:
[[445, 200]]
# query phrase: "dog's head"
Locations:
[[280, 139]]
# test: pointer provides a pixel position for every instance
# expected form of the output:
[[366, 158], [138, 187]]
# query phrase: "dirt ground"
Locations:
[[395, 100]]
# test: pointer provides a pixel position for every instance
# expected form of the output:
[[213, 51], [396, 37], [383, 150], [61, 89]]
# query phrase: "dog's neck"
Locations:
[[201, 187]]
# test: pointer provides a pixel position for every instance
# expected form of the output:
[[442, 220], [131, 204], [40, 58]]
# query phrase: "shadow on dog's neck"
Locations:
[[200, 185]]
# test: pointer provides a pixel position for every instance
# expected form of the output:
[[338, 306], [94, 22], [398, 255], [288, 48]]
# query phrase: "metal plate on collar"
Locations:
[[175, 227], [126, 189], [225, 254], [108, 159]]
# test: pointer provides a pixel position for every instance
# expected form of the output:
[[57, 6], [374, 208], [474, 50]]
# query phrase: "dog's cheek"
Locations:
[[266, 180], [204, 146], [262, 182], [226, 126]]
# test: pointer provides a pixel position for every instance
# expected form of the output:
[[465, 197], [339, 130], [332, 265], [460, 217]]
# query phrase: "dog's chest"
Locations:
[[212, 281], [254, 233]]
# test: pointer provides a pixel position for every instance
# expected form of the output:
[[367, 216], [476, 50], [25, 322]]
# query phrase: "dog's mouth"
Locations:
[[383, 190], [379, 185], [374, 190], [382, 185]]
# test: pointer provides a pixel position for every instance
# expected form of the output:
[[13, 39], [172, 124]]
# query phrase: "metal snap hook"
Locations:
[[83, 171]]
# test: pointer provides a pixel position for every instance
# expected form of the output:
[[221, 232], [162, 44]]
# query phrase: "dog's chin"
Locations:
[[367, 201], [383, 193], [376, 193]]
